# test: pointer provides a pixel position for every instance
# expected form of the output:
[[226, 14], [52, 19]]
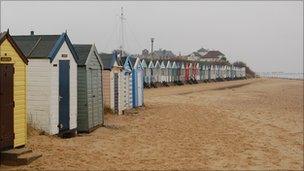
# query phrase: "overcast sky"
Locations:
[[268, 36]]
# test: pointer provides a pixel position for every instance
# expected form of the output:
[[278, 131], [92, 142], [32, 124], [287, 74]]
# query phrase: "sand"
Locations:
[[247, 124]]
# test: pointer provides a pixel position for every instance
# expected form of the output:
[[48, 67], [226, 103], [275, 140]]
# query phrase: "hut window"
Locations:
[[64, 55]]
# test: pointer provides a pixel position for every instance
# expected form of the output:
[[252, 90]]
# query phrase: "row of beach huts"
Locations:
[[62, 88], [178, 72]]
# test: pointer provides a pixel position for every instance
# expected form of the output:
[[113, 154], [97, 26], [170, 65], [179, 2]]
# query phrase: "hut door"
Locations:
[[140, 88], [6, 106], [64, 95], [95, 83], [116, 92]]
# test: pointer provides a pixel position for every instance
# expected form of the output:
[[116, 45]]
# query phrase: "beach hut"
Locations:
[[111, 84], [183, 74], [202, 71], [174, 71], [148, 66], [137, 82], [196, 71], [157, 72], [217, 71], [89, 84], [228, 71], [13, 67], [151, 66], [243, 72], [126, 82], [187, 71], [52, 82], [163, 73], [168, 71], [190, 66], [178, 70], [208, 71], [146, 73], [238, 72], [232, 71], [212, 71], [222, 71]]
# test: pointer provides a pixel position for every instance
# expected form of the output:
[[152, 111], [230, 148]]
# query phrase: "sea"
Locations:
[[286, 75]]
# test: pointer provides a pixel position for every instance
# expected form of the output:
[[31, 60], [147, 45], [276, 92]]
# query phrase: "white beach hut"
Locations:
[[52, 82]]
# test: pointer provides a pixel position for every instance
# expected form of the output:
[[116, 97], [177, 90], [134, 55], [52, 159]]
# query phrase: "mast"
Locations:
[[122, 18]]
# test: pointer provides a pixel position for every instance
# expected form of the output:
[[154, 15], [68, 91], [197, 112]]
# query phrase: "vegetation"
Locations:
[[249, 72]]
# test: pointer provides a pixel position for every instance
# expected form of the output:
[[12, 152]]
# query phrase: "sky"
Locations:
[[266, 35]]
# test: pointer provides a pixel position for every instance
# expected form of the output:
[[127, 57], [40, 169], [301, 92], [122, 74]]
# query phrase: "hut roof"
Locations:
[[133, 61], [107, 60], [213, 54], [82, 51], [43, 46]]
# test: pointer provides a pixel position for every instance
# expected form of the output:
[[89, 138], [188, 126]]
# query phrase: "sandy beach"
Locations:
[[247, 124]]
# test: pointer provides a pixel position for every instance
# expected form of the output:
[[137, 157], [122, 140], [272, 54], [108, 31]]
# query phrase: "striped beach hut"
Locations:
[[13, 105], [137, 82], [111, 84], [52, 82], [127, 82], [90, 99]]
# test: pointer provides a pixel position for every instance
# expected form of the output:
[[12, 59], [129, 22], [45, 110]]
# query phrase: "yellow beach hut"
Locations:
[[13, 67]]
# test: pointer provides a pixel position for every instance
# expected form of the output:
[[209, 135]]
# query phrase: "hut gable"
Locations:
[[151, 64], [157, 64], [144, 63], [88, 55], [137, 64], [43, 46], [109, 60], [174, 64], [127, 63], [163, 64], [168, 64], [6, 36]]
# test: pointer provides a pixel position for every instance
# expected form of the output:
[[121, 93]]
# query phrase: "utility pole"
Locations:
[[152, 41]]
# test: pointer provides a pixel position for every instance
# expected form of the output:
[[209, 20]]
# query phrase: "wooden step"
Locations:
[[17, 157], [27, 158], [14, 153]]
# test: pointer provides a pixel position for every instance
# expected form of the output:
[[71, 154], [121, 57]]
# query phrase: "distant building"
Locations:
[[194, 56], [197, 55], [202, 51], [212, 56], [145, 52], [163, 54]]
